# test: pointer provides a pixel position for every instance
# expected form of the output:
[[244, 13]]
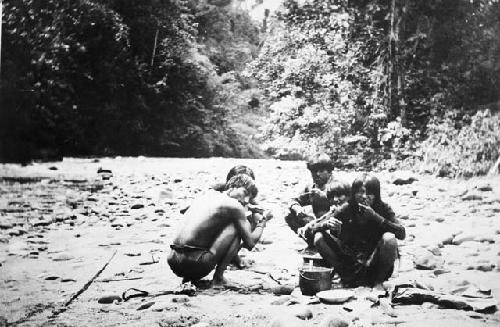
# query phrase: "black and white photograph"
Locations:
[[250, 163]]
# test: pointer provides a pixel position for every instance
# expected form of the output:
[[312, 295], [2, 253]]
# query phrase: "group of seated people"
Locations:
[[352, 229]]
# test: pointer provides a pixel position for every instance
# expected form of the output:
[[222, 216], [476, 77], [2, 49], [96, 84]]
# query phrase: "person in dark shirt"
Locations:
[[314, 195], [338, 193], [359, 239]]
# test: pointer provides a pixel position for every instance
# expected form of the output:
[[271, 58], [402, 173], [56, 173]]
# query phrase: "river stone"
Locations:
[[477, 236], [485, 267], [108, 299], [162, 305], [146, 305], [438, 272], [283, 289], [6, 225], [484, 187], [62, 257], [42, 222], [428, 261], [472, 196], [404, 178], [17, 232], [333, 321], [303, 313], [201, 324], [287, 321], [180, 299], [52, 277], [281, 300]]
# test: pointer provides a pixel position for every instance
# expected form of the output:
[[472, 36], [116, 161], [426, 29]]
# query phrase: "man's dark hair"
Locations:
[[245, 181], [321, 161], [372, 185], [337, 189], [240, 169], [356, 185]]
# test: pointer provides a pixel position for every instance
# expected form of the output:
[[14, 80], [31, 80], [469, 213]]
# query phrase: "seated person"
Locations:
[[338, 193], [359, 239], [321, 168], [212, 231]]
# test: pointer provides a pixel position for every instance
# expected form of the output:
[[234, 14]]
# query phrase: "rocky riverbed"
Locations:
[[64, 223]]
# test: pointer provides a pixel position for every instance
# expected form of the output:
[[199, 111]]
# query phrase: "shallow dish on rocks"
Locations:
[[335, 296]]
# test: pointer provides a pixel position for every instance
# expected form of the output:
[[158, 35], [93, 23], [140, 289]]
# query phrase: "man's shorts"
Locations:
[[190, 262]]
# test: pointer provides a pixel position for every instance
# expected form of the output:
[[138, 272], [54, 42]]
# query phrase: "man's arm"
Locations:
[[388, 226], [249, 237], [302, 200]]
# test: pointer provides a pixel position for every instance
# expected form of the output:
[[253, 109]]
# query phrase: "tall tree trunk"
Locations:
[[401, 70], [398, 101], [390, 60], [1, 19], [154, 48]]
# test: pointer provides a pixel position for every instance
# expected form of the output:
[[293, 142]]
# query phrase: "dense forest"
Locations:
[[383, 83]]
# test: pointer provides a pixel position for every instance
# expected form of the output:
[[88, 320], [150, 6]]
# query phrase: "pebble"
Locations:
[[6, 225], [162, 305], [17, 232], [146, 305], [180, 299], [333, 321], [201, 324], [42, 222], [108, 299], [67, 280], [52, 277], [283, 289], [287, 321], [428, 261], [404, 180], [303, 313], [472, 197], [132, 254], [62, 257], [281, 300], [485, 267], [438, 272], [485, 187]]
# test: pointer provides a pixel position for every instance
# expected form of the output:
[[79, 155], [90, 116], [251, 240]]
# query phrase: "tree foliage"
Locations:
[[368, 81], [94, 77]]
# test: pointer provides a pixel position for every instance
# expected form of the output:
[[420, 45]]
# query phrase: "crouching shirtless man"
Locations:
[[214, 227]]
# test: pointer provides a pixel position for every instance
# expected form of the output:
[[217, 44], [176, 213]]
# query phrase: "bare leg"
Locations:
[[387, 252], [327, 251], [225, 247]]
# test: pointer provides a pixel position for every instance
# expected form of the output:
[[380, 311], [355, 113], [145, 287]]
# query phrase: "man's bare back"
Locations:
[[207, 217]]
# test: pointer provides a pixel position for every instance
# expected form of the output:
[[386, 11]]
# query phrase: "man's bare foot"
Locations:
[[219, 281], [380, 288], [237, 262], [241, 263]]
